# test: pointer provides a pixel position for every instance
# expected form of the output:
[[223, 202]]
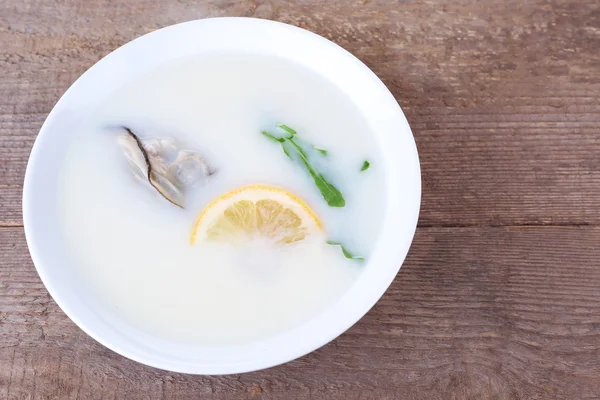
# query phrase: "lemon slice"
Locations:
[[256, 211]]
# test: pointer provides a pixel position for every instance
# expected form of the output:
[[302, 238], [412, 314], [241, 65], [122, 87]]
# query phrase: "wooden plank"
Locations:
[[503, 96], [477, 313], [504, 101]]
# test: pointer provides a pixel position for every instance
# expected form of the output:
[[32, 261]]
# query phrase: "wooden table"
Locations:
[[499, 297]]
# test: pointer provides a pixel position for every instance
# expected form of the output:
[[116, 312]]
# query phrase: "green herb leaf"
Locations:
[[365, 166], [322, 151], [287, 151], [272, 138], [330, 193], [287, 129], [346, 253], [295, 152]]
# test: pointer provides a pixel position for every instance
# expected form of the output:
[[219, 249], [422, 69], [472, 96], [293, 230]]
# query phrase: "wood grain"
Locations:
[[503, 97], [498, 298], [475, 313]]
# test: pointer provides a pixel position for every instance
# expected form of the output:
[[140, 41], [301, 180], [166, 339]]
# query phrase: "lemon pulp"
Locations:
[[256, 211]]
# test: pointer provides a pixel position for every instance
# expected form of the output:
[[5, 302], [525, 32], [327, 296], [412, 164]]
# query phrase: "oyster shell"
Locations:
[[150, 161]]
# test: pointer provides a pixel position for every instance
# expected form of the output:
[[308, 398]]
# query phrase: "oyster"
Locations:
[[163, 165], [188, 168]]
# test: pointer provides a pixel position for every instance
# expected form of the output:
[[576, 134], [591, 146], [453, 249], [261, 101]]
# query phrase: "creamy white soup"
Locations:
[[222, 199]]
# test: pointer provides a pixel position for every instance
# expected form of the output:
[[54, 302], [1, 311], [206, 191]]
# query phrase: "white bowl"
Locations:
[[380, 110]]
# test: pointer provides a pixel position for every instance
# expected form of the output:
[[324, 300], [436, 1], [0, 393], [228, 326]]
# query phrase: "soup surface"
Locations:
[[177, 274]]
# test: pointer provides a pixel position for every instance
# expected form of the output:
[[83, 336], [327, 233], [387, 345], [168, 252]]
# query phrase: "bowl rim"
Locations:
[[401, 213]]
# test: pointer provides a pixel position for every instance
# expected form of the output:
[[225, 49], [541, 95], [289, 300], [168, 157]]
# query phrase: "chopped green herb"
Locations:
[[287, 152], [322, 151], [365, 166], [347, 254], [292, 148], [272, 138], [287, 129]]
